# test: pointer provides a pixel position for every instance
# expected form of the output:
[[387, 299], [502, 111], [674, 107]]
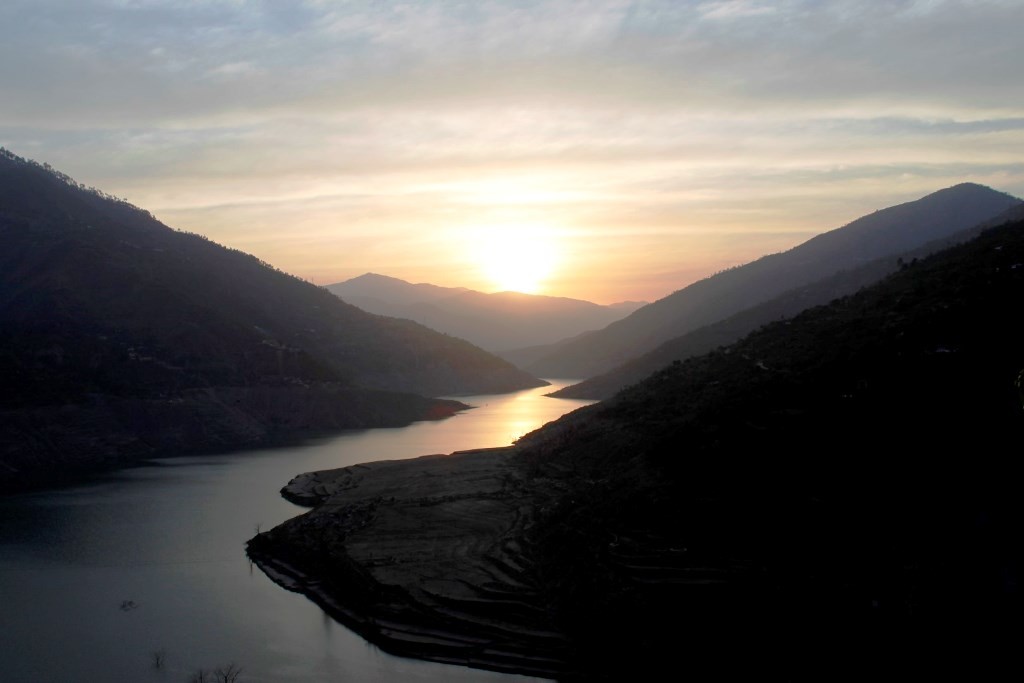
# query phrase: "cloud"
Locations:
[[734, 9], [168, 62], [628, 120]]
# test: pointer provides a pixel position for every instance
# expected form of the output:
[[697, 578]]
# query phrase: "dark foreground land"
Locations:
[[836, 496], [423, 557]]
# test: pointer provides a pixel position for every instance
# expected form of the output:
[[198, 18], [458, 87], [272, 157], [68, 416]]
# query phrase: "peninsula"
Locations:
[[832, 488]]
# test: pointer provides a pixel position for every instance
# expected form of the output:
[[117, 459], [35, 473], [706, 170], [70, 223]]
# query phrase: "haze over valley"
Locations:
[[498, 321]]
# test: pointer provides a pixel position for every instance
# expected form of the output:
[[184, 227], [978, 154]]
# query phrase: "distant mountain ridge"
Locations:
[[885, 232], [121, 337], [390, 291], [727, 331], [495, 321]]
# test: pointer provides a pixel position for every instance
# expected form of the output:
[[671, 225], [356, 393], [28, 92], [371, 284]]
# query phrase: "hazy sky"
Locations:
[[627, 148]]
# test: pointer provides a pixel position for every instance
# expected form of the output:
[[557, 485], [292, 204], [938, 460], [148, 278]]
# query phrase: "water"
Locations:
[[96, 579]]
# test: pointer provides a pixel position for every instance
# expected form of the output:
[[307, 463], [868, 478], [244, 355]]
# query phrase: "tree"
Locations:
[[222, 674]]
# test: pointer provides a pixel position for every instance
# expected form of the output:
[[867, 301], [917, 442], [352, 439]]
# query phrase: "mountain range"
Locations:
[[833, 495], [121, 338], [885, 233], [725, 332], [495, 321]]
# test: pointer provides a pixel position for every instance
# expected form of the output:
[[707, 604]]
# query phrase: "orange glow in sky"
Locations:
[[605, 150]]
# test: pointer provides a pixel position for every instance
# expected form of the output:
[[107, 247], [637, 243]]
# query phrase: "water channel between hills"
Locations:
[[96, 578]]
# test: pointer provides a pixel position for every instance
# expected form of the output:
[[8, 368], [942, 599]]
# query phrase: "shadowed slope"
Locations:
[[824, 493], [121, 337], [844, 480], [888, 232], [734, 327]]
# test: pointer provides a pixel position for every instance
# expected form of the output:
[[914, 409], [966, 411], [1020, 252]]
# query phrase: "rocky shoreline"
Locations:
[[424, 558]]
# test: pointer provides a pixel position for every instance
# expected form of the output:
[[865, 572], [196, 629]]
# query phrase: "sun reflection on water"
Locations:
[[528, 411]]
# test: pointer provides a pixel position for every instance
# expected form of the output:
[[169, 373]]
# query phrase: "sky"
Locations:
[[605, 150]]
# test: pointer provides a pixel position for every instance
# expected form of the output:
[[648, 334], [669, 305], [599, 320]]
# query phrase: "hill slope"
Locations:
[[831, 494], [734, 327], [887, 232], [497, 321], [115, 321]]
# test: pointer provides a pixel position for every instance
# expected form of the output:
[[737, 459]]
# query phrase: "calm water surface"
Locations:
[[97, 578]]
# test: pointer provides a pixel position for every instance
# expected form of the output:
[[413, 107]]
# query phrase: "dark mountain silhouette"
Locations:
[[887, 232], [727, 331], [497, 321], [121, 337], [829, 495]]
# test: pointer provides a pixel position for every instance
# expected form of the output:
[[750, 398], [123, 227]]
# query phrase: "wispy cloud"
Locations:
[[735, 9], [273, 124]]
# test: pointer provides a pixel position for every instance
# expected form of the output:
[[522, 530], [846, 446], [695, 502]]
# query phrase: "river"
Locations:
[[141, 574]]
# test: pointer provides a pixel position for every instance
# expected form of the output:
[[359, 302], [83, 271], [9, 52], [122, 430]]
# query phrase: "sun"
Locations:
[[515, 258]]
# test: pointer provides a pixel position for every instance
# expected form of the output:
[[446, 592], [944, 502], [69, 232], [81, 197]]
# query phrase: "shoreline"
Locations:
[[54, 446], [402, 639], [421, 557]]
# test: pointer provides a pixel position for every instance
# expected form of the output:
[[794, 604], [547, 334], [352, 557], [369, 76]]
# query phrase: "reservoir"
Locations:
[[141, 574]]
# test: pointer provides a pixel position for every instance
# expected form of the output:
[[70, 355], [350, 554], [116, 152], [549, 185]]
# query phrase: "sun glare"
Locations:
[[514, 257]]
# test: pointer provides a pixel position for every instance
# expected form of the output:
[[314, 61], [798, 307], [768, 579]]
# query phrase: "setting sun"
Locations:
[[514, 257]]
